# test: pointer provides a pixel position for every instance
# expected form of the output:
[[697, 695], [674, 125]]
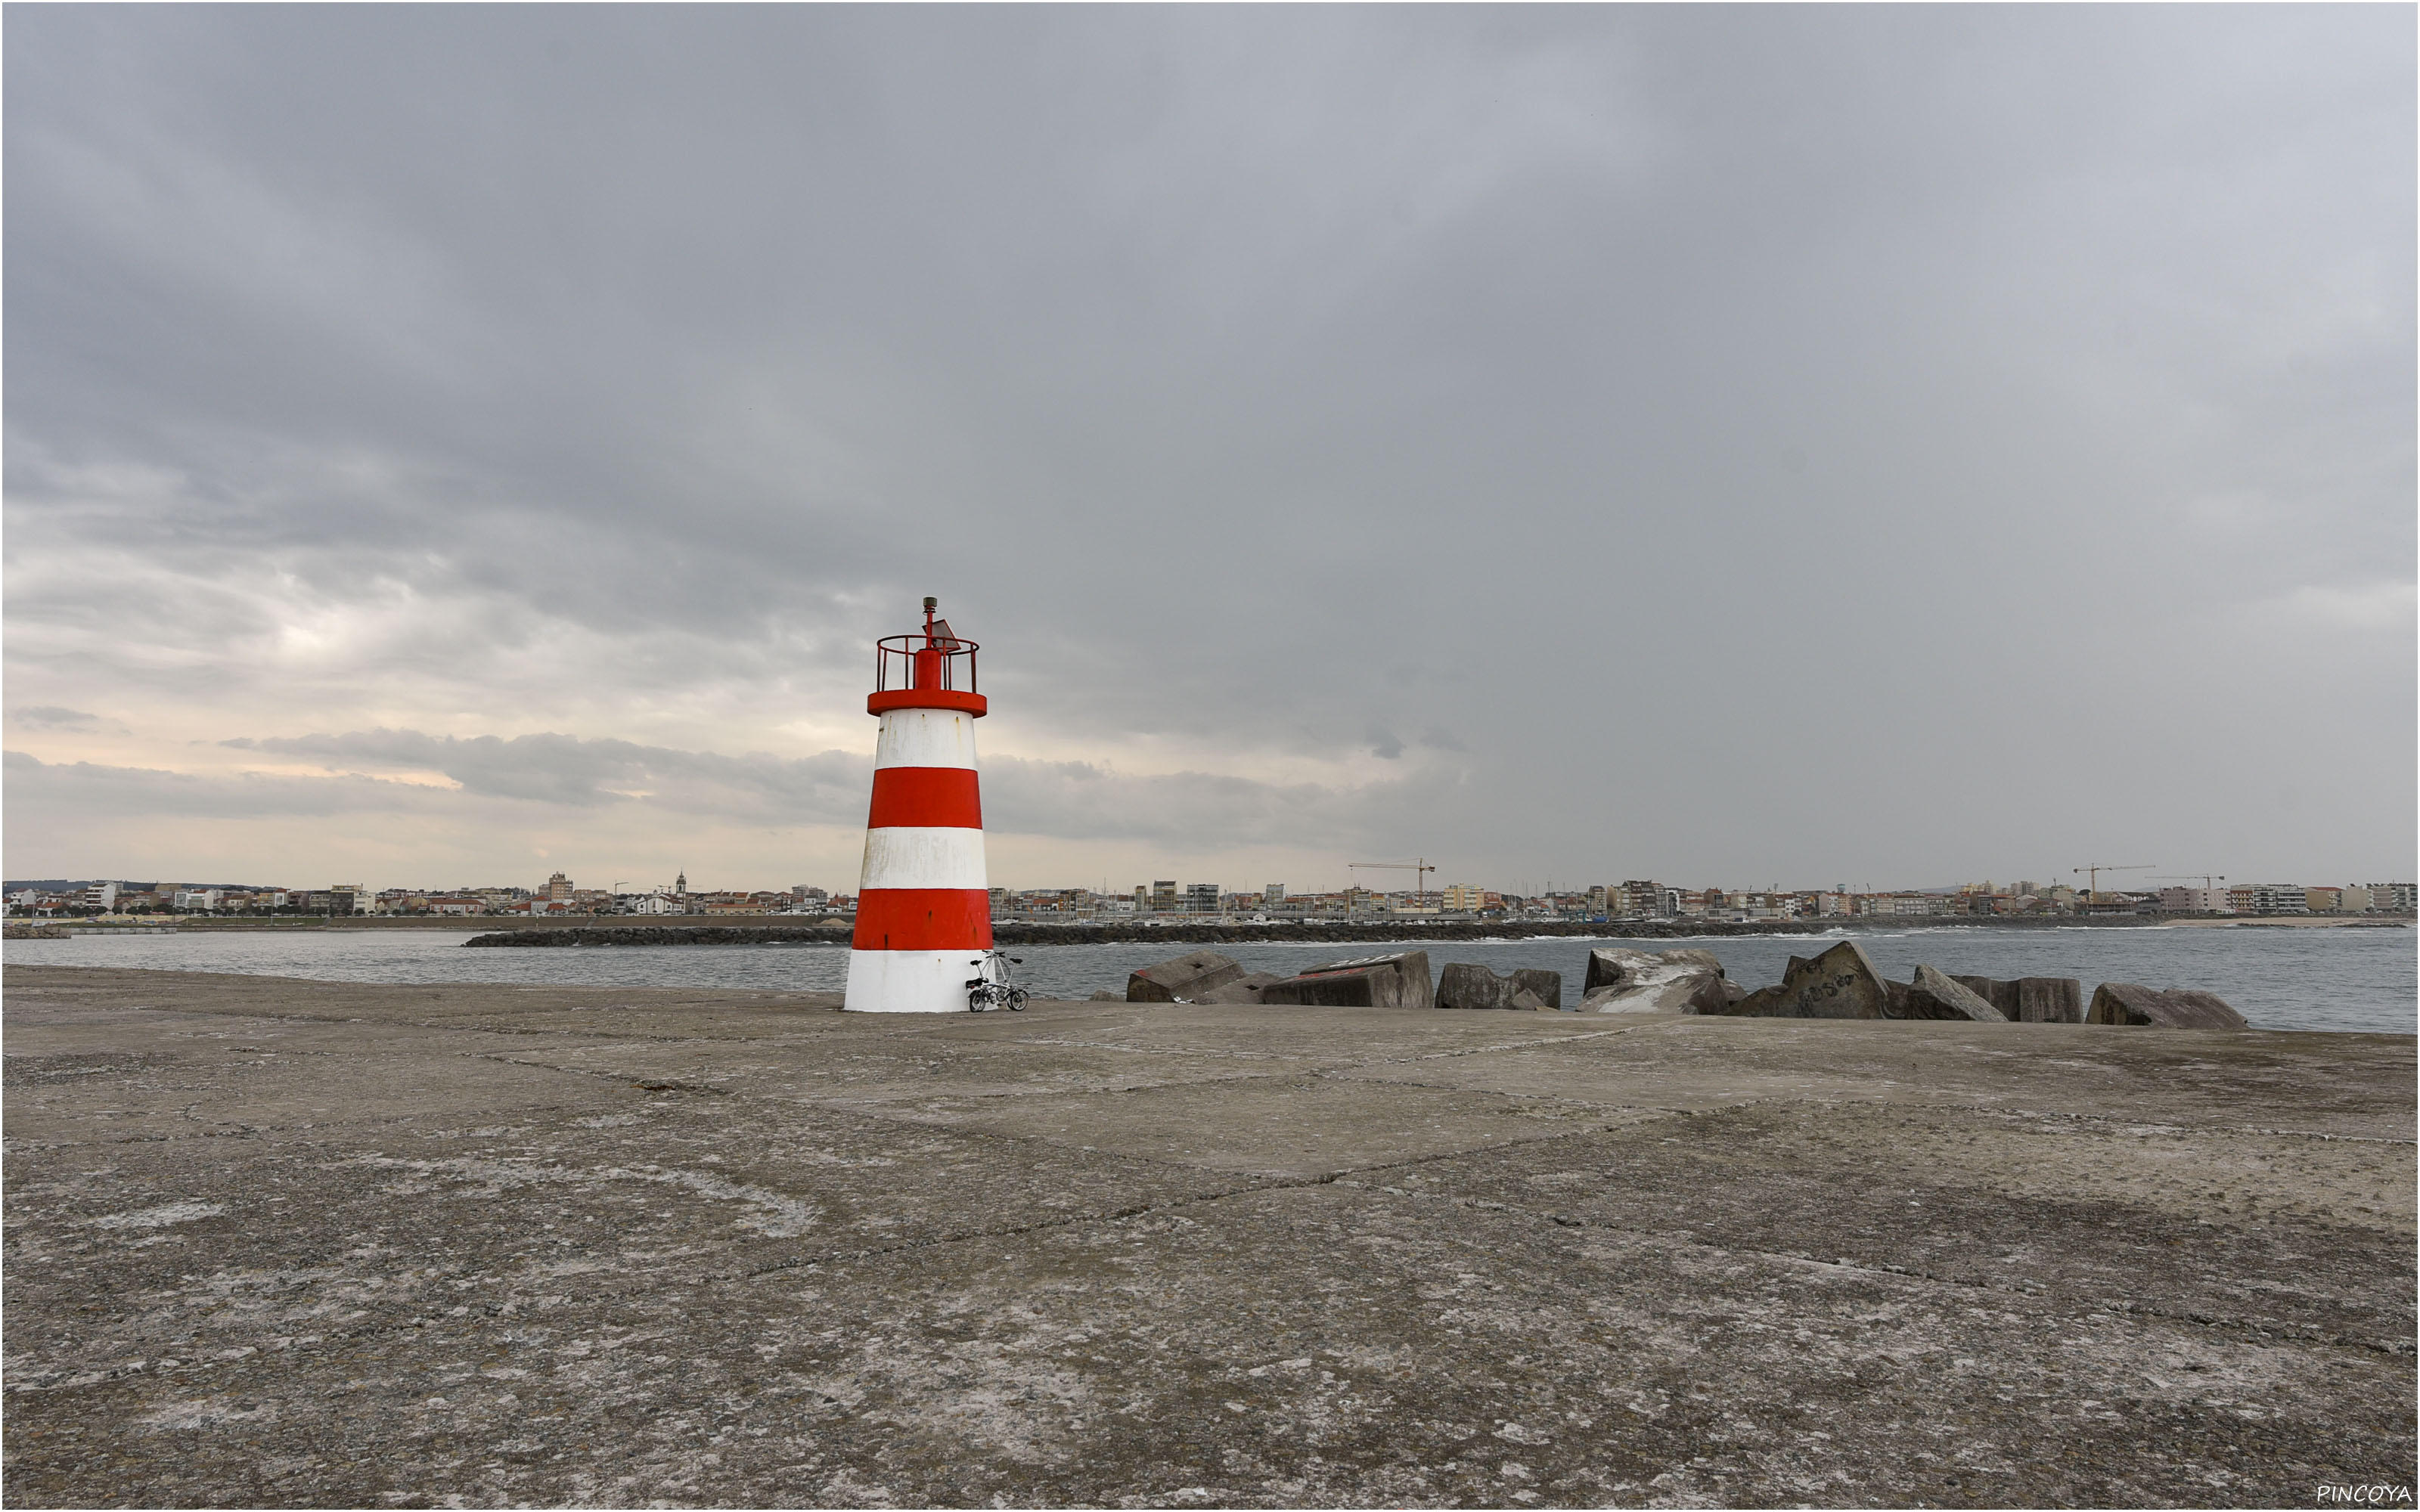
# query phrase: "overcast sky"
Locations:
[[1734, 446]]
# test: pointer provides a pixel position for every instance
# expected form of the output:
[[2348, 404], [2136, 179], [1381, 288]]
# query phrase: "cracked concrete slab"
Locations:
[[1280, 1126], [572, 1245], [2337, 1084]]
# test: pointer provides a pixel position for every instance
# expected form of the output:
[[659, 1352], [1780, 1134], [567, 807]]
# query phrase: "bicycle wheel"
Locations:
[[1017, 999]]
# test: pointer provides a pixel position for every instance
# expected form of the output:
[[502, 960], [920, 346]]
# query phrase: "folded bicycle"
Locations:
[[990, 987]]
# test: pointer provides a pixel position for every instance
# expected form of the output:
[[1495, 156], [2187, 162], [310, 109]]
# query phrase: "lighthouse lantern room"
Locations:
[[923, 900]]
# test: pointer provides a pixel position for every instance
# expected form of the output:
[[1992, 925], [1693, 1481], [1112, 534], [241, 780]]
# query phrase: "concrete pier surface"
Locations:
[[278, 1242]]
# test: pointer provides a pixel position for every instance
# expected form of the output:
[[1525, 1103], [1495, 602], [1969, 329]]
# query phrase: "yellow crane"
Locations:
[[1419, 869], [2092, 888]]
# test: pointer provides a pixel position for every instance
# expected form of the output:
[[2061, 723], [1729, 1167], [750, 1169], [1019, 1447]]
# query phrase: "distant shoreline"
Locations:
[[684, 929], [776, 932]]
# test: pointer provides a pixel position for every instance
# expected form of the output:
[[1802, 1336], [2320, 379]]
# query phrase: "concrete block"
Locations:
[[1187, 978], [1644, 982], [1370, 982], [1243, 989], [1547, 985], [1841, 983], [1934, 994], [1463, 985], [2000, 995], [2049, 1001], [2030, 999], [1613, 966], [2123, 1002]]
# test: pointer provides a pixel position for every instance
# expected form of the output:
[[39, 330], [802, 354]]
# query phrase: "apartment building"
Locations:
[[1641, 900], [2275, 897]]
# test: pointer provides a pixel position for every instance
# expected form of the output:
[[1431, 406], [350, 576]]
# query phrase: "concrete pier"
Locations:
[[281, 1242]]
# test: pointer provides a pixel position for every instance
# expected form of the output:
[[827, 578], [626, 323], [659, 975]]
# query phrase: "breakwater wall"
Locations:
[[670, 935]]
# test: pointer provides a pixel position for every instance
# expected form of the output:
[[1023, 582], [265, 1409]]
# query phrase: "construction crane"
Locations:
[[2207, 878], [1419, 868], [2094, 872]]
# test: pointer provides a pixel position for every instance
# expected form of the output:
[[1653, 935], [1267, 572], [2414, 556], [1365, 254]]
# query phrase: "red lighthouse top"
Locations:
[[932, 670]]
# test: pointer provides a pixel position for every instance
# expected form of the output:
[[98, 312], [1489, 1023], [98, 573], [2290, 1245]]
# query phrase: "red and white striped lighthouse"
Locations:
[[923, 901]]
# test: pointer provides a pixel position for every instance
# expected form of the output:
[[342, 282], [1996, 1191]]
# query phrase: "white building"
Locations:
[[2195, 901], [2279, 898]]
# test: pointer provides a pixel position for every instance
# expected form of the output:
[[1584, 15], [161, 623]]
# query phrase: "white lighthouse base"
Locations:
[[911, 981]]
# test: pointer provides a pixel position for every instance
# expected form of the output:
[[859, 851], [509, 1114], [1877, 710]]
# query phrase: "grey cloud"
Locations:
[[1627, 389], [1071, 800], [51, 716], [568, 769], [87, 788], [1077, 801]]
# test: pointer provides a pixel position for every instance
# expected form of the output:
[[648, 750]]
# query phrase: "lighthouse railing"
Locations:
[[924, 661]]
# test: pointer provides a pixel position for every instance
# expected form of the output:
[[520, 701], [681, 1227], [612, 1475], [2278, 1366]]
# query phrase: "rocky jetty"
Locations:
[[1842, 982], [667, 935], [1845, 982]]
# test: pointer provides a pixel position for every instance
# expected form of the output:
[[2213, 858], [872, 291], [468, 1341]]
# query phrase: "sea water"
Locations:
[[2353, 979]]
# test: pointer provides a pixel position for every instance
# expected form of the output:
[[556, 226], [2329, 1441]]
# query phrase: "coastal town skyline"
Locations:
[[1168, 899]]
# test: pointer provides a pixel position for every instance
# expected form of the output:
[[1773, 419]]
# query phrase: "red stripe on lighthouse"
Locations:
[[923, 919], [929, 795]]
